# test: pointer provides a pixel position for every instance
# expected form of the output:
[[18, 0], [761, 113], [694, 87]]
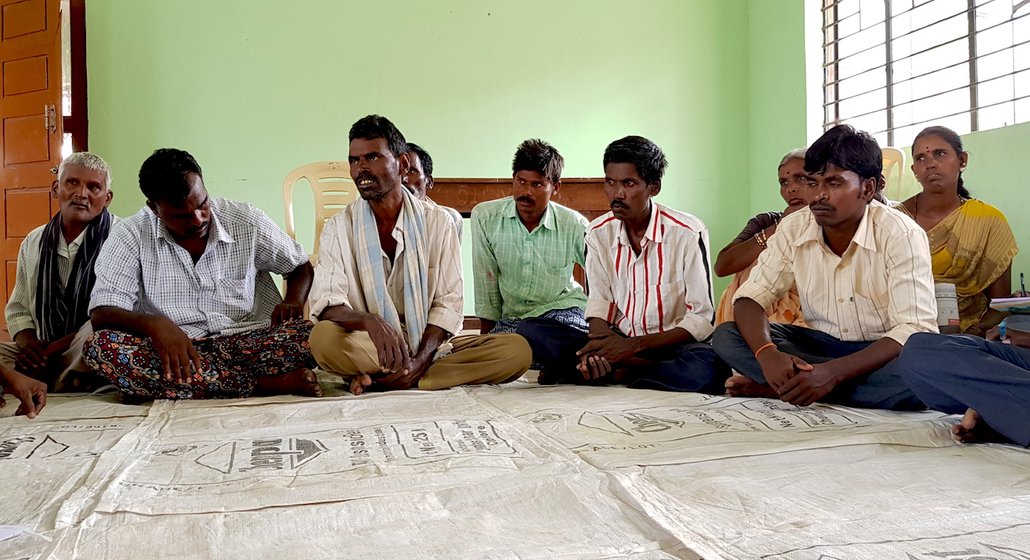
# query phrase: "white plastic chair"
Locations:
[[331, 187], [893, 172]]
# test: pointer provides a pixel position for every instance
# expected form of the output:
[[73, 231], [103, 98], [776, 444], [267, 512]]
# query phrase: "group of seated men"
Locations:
[[177, 301]]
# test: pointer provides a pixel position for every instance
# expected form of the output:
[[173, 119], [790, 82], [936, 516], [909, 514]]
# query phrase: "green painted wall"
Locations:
[[719, 84], [776, 74], [997, 174], [253, 92]]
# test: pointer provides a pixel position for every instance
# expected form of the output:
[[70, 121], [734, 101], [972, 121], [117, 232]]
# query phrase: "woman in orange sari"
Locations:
[[971, 243], [740, 255]]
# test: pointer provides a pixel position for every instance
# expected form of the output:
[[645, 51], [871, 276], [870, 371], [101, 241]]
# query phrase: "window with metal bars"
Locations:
[[893, 67]]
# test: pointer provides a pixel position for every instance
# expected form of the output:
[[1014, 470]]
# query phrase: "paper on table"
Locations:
[[1012, 305]]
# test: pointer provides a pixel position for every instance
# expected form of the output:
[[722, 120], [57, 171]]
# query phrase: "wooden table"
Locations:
[[584, 195]]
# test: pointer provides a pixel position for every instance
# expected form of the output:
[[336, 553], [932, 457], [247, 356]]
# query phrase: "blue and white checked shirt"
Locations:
[[229, 290]]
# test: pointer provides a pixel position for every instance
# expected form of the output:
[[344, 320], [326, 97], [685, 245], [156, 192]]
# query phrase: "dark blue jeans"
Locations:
[[952, 373], [683, 367], [883, 388]]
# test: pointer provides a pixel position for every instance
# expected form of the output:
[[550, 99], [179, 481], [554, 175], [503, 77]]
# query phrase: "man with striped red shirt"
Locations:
[[650, 307]]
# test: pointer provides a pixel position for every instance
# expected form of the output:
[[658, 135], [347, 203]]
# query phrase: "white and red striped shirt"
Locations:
[[668, 285]]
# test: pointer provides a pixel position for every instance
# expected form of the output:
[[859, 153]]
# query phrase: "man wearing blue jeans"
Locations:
[[864, 278], [986, 380], [650, 308]]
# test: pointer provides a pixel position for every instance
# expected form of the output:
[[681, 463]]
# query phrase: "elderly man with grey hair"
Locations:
[[47, 312]]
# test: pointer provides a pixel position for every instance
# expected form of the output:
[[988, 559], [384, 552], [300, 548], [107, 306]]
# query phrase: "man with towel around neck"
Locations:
[[387, 295]]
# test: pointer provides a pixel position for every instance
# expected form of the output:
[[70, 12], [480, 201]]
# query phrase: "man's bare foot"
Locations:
[[743, 386], [300, 381], [973, 429], [134, 399], [619, 376], [359, 383], [545, 377]]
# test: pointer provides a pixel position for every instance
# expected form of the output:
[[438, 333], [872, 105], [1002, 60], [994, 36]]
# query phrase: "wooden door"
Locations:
[[30, 123]]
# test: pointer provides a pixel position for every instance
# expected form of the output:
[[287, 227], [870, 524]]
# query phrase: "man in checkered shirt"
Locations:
[[524, 247], [184, 305]]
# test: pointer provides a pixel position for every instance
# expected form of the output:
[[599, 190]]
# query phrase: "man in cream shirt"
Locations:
[[864, 278], [387, 294]]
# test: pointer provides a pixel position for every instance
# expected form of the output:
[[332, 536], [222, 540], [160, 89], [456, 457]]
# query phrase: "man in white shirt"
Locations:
[[387, 294], [650, 309], [864, 278], [184, 306], [47, 312]]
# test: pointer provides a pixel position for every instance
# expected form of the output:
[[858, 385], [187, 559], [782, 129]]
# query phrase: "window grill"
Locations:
[[892, 67]]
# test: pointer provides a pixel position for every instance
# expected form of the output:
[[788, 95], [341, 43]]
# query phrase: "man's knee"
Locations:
[[93, 350], [509, 354], [340, 351], [8, 354], [515, 348], [521, 352], [297, 328], [703, 364], [536, 328], [918, 356], [726, 335], [527, 327], [96, 341], [919, 349], [534, 332], [326, 337], [549, 340]]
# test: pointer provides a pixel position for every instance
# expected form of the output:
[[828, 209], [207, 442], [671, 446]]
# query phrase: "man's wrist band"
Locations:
[[765, 346]]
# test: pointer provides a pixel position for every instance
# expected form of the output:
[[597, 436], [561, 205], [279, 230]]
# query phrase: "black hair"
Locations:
[[539, 156], [375, 126], [954, 140], [847, 148], [162, 177], [644, 154], [423, 157]]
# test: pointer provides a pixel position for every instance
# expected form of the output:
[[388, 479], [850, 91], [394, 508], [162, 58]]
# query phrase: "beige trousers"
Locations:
[[67, 374], [492, 358]]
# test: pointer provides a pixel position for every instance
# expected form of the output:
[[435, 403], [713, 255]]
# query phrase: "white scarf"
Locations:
[[413, 263]]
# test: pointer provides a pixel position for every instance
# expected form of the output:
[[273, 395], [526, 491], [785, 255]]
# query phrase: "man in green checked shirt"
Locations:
[[525, 246]]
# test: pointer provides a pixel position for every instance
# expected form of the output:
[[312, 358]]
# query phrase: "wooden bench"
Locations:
[[585, 195]]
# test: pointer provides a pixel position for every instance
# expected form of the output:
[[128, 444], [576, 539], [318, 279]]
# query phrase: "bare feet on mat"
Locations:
[[743, 386], [359, 383], [300, 381], [619, 376], [128, 398], [973, 429], [546, 378]]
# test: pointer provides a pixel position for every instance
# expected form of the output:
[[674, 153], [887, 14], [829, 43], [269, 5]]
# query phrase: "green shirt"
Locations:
[[518, 273]]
